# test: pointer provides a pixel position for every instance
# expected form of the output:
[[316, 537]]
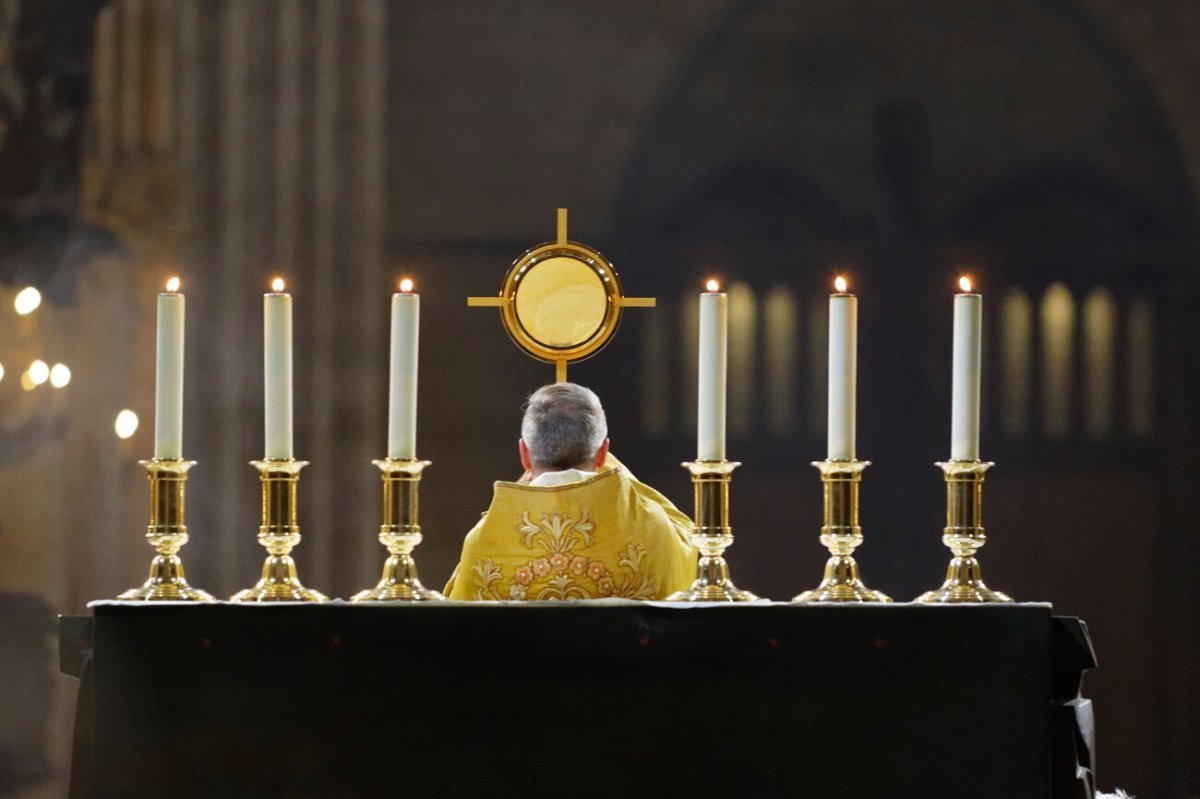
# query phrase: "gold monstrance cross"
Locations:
[[561, 301]]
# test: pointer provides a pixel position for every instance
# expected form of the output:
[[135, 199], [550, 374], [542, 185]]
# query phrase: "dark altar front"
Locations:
[[595, 699]]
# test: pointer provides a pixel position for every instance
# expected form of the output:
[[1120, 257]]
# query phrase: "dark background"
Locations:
[[1048, 149]]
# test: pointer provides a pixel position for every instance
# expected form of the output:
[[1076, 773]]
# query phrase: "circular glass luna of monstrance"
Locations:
[[562, 302]]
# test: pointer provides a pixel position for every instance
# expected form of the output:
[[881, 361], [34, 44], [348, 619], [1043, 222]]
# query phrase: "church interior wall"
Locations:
[[343, 144]]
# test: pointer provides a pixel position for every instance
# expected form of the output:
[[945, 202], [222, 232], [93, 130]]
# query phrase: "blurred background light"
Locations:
[[39, 372], [27, 300], [60, 375], [126, 424]]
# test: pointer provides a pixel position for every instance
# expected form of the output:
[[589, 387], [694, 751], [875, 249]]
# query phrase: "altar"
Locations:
[[579, 699], [841, 692]]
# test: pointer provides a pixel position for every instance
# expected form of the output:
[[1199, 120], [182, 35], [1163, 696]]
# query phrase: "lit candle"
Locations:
[[964, 413], [277, 372], [714, 344], [168, 374], [402, 404], [843, 372]]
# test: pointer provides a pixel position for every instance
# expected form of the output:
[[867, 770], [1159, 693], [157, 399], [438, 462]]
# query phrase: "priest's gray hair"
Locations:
[[564, 426]]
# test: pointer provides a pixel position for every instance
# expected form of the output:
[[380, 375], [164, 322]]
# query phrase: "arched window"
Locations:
[[689, 333], [1016, 340], [742, 386], [656, 364], [1058, 332], [1099, 333], [1139, 337], [780, 325]]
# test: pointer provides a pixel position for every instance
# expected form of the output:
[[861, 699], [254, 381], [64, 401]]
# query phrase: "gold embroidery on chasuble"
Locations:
[[555, 571], [604, 537]]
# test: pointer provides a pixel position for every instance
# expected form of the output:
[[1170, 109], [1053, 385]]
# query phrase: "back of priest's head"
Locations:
[[564, 426]]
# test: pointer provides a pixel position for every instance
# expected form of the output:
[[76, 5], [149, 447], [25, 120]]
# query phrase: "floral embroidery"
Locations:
[[557, 532], [636, 585], [562, 587], [486, 571], [557, 535]]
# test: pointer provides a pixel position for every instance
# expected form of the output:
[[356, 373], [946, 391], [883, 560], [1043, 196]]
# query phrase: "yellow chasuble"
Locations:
[[607, 535]]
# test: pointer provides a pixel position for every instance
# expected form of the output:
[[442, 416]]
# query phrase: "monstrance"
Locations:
[[561, 301]]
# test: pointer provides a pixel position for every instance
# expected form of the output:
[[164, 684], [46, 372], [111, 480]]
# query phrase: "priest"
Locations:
[[577, 525]]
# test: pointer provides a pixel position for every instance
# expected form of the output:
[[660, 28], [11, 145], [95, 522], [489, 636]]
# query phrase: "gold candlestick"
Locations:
[[841, 535], [400, 533], [712, 535], [278, 533], [167, 533], [964, 536]]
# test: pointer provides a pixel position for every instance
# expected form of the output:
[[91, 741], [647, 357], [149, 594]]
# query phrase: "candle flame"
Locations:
[[964, 283], [712, 285], [277, 285], [406, 285], [173, 285], [840, 284]]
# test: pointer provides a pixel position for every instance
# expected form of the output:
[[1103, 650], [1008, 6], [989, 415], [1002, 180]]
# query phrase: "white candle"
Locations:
[[168, 374], [402, 395], [964, 406], [714, 345], [843, 373], [277, 372]]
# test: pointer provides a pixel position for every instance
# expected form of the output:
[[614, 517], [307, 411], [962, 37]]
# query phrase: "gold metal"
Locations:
[[400, 533], [590, 274], [712, 535], [167, 533], [279, 533], [841, 535], [964, 536], [561, 301]]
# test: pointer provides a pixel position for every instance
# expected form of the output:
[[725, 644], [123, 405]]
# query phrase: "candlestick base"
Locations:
[[841, 535], [712, 535], [278, 534], [964, 537], [841, 584], [167, 533], [400, 534]]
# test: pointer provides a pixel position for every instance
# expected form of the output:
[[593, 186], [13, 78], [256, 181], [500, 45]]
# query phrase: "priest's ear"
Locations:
[[526, 461], [601, 453]]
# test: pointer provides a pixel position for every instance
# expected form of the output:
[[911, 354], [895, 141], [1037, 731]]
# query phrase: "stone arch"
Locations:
[[805, 86], [1016, 139]]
